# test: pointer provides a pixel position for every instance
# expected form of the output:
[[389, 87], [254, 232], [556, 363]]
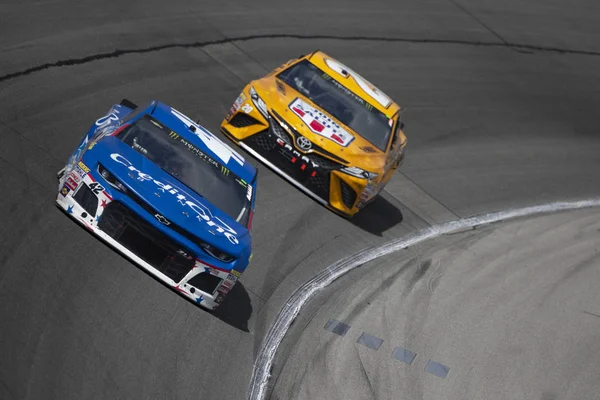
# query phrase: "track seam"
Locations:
[[144, 50], [290, 310]]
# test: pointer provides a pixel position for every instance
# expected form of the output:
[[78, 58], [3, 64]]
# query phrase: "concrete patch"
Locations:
[[437, 369], [337, 327], [404, 355], [372, 342]]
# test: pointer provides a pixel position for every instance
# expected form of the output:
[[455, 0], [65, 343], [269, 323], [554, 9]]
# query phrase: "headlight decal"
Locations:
[[359, 173], [261, 106], [216, 253], [110, 179]]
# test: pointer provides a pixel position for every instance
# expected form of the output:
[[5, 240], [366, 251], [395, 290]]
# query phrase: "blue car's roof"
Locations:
[[204, 140]]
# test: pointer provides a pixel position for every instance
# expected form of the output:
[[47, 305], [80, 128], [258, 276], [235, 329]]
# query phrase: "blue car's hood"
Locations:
[[179, 204]]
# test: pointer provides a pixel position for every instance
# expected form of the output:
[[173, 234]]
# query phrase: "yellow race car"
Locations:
[[322, 127]]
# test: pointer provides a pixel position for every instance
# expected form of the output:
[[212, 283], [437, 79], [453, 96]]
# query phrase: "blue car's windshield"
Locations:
[[337, 100], [190, 166]]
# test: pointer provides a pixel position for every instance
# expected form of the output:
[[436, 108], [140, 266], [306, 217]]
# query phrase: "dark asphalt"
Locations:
[[496, 118]]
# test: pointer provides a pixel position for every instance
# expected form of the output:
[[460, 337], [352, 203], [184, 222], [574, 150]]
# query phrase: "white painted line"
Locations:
[[290, 310]]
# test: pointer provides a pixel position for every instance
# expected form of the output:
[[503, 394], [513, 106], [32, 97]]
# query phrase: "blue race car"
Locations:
[[167, 194]]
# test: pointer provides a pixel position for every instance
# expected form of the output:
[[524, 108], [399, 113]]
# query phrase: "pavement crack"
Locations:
[[364, 371], [480, 22], [199, 44], [7, 390], [591, 313]]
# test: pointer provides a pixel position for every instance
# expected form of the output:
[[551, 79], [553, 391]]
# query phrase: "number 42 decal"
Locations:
[[96, 188]]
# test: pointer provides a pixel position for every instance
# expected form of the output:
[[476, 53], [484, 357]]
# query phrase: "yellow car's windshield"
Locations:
[[333, 97]]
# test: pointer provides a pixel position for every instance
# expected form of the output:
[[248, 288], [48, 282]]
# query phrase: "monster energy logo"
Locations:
[[194, 150]]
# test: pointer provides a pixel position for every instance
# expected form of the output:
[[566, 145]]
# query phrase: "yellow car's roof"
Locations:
[[355, 83]]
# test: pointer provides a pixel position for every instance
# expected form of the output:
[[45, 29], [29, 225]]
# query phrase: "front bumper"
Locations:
[[124, 230], [314, 174]]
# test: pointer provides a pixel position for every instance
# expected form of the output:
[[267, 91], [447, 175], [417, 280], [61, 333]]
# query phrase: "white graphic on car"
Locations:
[[203, 214], [220, 149]]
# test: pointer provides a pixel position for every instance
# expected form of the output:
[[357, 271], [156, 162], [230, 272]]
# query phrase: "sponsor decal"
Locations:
[[71, 183], [64, 190], [199, 153], [75, 177], [91, 146], [249, 193], [231, 278], [202, 213], [320, 123], [296, 156], [237, 273], [218, 148], [80, 172], [219, 298], [227, 284], [83, 167], [223, 289], [239, 101]]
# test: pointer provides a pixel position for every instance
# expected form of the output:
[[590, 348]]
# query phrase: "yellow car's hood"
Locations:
[[319, 126]]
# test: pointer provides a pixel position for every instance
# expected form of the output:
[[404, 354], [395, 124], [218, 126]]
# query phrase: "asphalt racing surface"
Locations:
[[501, 112], [503, 311]]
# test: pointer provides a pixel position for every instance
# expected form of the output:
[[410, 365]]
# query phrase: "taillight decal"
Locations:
[[250, 218], [119, 130]]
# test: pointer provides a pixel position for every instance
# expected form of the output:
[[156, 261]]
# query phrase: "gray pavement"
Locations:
[[509, 311], [489, 127]]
